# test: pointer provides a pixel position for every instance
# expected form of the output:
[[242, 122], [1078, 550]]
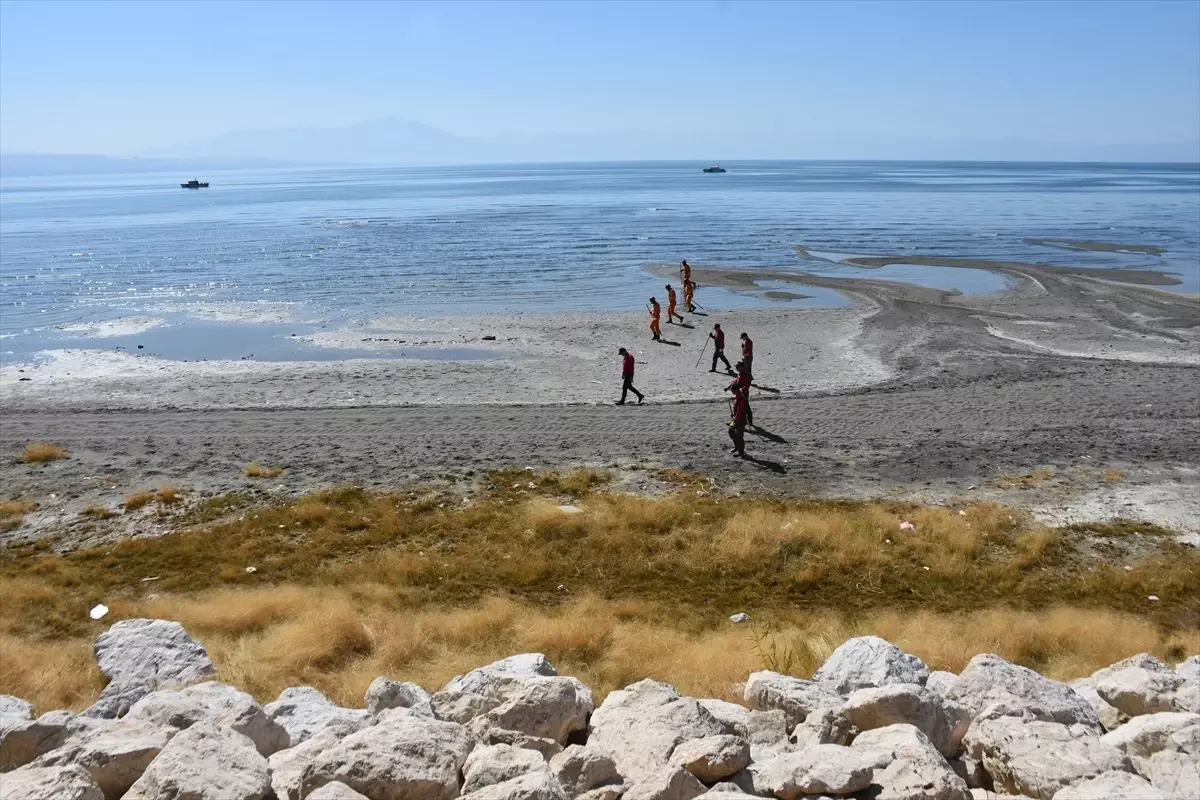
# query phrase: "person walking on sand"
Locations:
[[627, 377], [685, 272], [671, 312], [655, 319], [718, 337], [748, 356], [689, 294], [741, 388], [737, 425]]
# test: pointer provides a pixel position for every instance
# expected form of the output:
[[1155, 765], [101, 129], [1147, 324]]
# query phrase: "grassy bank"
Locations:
[[348, 585]]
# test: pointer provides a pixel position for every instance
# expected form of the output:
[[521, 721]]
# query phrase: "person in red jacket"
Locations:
[[627, 377], [737, 425], [748, 356], [718, 337], [741, 388]]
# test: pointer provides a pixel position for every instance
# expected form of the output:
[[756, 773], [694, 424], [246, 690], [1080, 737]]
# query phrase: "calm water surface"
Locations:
[[352, 244]]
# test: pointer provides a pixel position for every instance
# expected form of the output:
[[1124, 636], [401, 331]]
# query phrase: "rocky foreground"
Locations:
[[873, 722]]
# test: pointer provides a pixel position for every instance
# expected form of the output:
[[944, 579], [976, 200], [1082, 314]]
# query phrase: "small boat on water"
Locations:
[[194, 184], [715, 168]]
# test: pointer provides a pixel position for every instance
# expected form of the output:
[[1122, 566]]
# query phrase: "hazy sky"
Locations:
[[114, 77]]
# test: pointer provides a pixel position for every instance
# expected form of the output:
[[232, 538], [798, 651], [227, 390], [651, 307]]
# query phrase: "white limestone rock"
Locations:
[[384, 693], [140, 656], [404, 757], [988, 678], [713, 758], [303, 710], [641, 725], [205, 763], [1112, 786], [49, 783], [869, 661], [766, 691], [217, 703]]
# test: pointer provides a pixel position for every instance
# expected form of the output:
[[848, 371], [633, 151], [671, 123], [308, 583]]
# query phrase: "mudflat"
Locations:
[[910, 392]]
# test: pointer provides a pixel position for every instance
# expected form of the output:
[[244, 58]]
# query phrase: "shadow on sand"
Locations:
[[763, 463], [668, 341], [766, 434]]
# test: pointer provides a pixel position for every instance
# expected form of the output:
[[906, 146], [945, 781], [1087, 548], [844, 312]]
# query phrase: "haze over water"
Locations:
[[358, 243]]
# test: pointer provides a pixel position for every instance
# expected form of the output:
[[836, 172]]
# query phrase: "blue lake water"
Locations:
[[352, 244]]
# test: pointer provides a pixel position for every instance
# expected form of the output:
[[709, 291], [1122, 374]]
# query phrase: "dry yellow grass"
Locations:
[[257, 470], [1112, 475], [98, 512], [138, 499], [16, 508], [339, 639], [38, 452], [168, 494], [1026, 481], [350, 585]]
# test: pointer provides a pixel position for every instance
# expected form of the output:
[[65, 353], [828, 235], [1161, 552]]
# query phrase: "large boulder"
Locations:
[[488, 765], [538, 785], [336, 791], [822, 726], [289, 767], [1189, 669], [1110, 717], [23, 740], [115, 753], [796, 697], [1140, 685], [140, 656], [824, 769], [543, 707], [943, 721], [641, 725], [404, 757], [989, 678], [583, 770], [1112, 786], [205, 763], [384, 693], [1146, 735], [713, 758], [867, 661], [222, 705], [49, 783], [733, 715], [303, 710], [1177, 774], [1024, 755], [481, 680], [912, 767], [767, 732], [671, 783], [14, 708], [939, 681], [461, 707]]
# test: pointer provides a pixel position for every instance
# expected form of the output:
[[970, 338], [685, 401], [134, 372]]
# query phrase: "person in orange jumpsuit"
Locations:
[[685, 272], [655, 319], [671, 312], [689, 293]]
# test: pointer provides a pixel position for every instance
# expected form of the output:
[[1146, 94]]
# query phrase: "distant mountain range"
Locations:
[[400, 142], [17, 164]]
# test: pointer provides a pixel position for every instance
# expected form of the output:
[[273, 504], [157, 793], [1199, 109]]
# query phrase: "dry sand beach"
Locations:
[[910, 391]]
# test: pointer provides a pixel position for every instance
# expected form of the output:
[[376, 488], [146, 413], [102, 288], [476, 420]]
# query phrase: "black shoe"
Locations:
[[712, 370], [619, 403], [640, 399]]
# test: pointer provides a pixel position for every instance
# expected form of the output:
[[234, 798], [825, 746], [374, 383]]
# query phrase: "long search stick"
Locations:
[[702, 349]]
